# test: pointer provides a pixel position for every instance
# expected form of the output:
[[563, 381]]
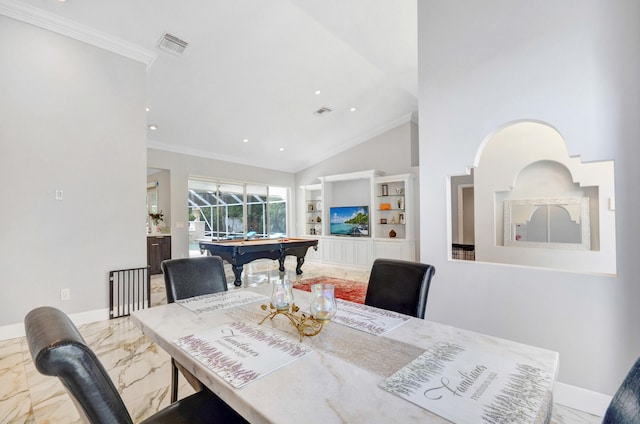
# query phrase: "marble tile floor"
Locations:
[[139, 369]]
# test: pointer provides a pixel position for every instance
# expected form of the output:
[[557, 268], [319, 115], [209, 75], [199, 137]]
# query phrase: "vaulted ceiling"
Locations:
[[246, 87]]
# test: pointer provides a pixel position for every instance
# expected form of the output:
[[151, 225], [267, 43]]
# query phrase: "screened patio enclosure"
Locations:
[[227, 211]]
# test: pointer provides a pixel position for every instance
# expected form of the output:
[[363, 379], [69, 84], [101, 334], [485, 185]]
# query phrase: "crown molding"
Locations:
[[352, 142], [71, 29], [285, 167], [183, 150]]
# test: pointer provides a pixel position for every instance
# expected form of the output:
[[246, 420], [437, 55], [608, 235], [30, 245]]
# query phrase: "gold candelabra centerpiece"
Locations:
[[306, 325], [322, 308]]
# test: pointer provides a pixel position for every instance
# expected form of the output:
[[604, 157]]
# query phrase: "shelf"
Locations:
[[395, 191], [313, 202], [366, 187]]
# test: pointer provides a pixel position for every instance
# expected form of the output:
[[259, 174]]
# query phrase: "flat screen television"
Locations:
[[349, 221]]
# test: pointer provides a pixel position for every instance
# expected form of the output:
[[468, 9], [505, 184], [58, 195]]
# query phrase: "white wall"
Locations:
[[181, 167], [503, 174], [575, 65], [71, 118], [390, 152]]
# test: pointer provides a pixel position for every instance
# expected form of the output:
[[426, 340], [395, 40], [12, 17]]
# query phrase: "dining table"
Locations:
[[366, 365]]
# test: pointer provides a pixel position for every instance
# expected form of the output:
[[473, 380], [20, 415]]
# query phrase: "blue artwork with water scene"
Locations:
[[349, 221]]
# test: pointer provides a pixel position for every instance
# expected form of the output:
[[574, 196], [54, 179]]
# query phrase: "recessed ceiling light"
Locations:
[[153, 127], [282, 149], [245, 140], [147, 108], [353, 109], [317, 92]]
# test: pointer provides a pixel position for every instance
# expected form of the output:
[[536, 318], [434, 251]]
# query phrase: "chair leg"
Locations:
[[174, 381]]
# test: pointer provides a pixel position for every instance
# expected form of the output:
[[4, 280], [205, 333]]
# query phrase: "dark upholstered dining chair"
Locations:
[[625, 404], [58, 349], [399, 286], [190, 277]]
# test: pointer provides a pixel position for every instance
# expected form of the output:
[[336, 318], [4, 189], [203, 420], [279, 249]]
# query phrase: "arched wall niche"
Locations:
[[523, 171]]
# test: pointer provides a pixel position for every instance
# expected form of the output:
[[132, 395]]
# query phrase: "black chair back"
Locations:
[[399, 286], [189, 277], [185, 278], [58, 349], [625, 404]]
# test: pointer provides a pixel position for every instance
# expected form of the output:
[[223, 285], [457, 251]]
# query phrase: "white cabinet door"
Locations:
[[358, 252], [347, 251], [361, 252], [404, 250], [332, 250]]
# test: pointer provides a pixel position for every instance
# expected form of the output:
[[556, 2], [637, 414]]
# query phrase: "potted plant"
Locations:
[[156, 219]]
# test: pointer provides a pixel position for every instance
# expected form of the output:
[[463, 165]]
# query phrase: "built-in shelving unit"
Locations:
[[313, 210], [391, 217], [395, 215]]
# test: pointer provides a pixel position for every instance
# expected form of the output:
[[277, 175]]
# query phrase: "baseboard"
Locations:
[[17, 330], [581, 399]]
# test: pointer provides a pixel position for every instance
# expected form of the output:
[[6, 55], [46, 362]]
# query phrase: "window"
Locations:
[[229, 210], [277, 211]]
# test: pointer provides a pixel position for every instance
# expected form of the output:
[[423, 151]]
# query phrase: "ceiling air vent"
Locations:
[[322, 111], [172, 44]]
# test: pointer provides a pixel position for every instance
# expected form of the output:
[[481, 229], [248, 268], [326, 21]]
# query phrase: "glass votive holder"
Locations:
[[282, 296], [323, 302]]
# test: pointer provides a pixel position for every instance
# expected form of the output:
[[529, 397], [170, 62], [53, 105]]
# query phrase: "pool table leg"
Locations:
[[237, 272], [300, 261], [281, 262]]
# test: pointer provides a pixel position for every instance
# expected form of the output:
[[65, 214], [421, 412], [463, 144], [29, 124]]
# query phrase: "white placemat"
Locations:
[[365, 318], [241, 353], [219, 301], [464, 385]]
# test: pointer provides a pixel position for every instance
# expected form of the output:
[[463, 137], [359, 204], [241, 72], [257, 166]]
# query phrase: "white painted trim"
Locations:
[[358, 175], [183, 150], [11, 331], [461, 188], [60, 25], [393, 178], [17, 330], [361, 138], [280, 166], [581, 399]]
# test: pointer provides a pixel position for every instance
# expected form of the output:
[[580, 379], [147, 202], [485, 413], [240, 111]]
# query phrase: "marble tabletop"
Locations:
[[340, 381]]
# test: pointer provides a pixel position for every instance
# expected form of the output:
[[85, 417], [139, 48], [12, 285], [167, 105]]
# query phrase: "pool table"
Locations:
[[240, 252]]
